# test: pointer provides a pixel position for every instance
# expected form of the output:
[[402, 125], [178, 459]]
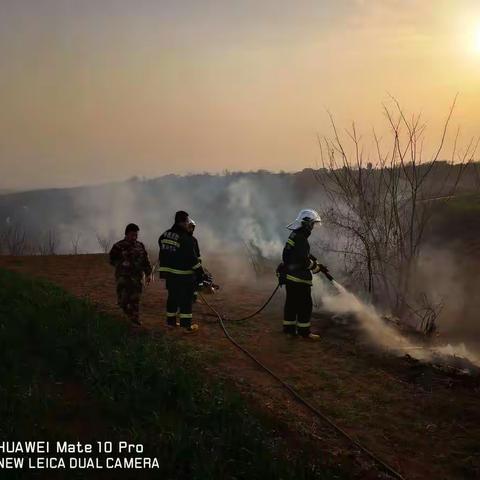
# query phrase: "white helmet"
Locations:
[[305, 215]]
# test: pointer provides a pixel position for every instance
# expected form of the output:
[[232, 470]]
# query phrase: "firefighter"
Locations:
[[296, 272], [182, 270], [190, 229], [131, 262]]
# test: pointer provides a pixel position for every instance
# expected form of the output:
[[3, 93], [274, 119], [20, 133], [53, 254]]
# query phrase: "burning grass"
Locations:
[[452, 358]]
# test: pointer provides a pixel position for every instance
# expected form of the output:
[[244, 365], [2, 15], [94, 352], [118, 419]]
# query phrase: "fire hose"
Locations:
[[259, 310], [388, 469], [248, 317]]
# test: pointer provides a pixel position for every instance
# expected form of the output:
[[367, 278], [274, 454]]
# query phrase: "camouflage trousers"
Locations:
[[129, 291]]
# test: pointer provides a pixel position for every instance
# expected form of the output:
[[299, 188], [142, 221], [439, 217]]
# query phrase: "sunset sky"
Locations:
[[99, 90]]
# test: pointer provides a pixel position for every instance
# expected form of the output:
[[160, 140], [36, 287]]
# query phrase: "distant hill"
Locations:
[[225, 206], [238, 207]]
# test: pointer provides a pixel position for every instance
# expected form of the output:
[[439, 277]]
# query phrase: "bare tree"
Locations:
[[259, 262], [379, 203], [253, 256], [14, 239], [75, 241], [426, 312], [105, 242], [48, 243], [3, 246]]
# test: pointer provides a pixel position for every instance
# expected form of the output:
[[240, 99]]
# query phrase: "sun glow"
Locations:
[[476, 40]]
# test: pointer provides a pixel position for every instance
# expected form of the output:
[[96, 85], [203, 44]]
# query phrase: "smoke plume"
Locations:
[[343, 302]]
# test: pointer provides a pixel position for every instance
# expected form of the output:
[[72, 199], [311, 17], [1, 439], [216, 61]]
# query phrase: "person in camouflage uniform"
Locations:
[[131, 262]]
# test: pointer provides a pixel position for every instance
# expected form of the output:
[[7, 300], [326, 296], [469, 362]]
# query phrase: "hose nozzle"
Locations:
[[330, 278]]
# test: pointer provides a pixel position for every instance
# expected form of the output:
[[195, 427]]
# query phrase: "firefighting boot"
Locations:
[[311, 337], [191, 329], [172, 321], [290, 330]]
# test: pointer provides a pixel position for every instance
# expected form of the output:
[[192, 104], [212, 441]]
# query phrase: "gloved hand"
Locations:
[[322, 268], [281, 274], [318, 267], [207, 277], [199, 275], [315, 268], [206, 285]]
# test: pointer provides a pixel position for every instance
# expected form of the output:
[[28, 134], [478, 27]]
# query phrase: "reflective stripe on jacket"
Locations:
[[296, 257], [178, 253]]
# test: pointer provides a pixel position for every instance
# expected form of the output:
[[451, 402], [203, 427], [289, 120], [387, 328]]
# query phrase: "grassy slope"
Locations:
[[69, 372]]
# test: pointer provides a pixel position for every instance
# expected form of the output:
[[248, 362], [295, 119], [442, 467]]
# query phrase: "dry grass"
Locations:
[[420, 421]]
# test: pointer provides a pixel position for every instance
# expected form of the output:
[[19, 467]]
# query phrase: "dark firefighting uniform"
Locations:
[[130, 260], [182, 270], [297, 264], [196, 248]]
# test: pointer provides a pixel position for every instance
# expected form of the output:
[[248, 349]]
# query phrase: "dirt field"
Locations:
[[423, 423]]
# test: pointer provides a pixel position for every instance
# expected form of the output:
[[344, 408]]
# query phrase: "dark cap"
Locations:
[[181, 216], [131, 227]]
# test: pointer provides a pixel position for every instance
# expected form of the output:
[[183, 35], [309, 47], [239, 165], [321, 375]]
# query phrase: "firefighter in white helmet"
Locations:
[[296, 273]]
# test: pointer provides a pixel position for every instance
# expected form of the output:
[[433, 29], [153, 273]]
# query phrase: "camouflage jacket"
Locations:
[[130, 259]]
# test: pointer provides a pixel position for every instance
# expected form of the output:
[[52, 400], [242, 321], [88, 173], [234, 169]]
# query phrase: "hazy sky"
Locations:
[[99, 90]]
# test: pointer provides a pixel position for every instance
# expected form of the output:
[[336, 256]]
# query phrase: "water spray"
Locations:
[[386, 336]]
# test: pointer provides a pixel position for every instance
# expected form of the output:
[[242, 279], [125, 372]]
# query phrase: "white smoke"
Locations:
[[249, 209], [253, 214], [343, 302]]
